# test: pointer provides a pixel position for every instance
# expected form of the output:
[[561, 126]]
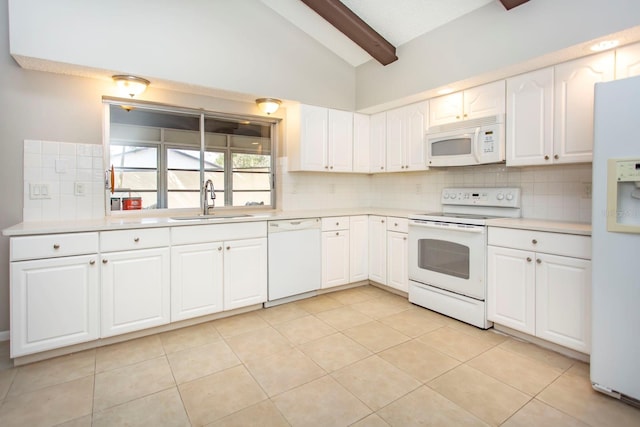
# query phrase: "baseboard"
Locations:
[[4, 336]]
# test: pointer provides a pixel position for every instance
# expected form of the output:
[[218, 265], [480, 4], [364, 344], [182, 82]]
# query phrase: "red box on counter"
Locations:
[[130, 203]]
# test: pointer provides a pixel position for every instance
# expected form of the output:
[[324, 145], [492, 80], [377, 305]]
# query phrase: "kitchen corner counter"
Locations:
[[542, 225]]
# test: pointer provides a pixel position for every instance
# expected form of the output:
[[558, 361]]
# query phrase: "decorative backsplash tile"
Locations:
[[62, 181]]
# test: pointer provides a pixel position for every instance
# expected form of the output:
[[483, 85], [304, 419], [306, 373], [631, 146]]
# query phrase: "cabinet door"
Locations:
[[378, 141], [196, 280], [335, 258], [574, 93], [340, 143], [314, 125], [415, 118], [378, 249], [563, 301], [483, 101], [628, 61], [54, 303], [511, 288], [529, 121], [395, 137], [361, 143], [358, 248], [445, 109], [245, 272], [135, 290], [397, 260]]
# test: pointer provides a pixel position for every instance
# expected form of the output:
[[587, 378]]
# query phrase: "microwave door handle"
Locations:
[[476, 151]]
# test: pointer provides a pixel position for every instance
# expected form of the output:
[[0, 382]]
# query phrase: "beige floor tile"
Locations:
[[211, 398], [263, 414], [160, 409], [78, 422], [6, 379], [304, 329], [412, 322], [343, 317], [372, 420], [5, 361], [318, 304], [189, 337], [239, 324], [351, 296], [573, 395], [480, 394], [257, 344], [490, 336], [49, 406], [536, 413], [375, 336], [282, 313], [525, 374], [53, 371], [536, 352], [374, 291], [334, 351], [375, 381], [455, 343], [283, 371], [188, 365], [579, 369], [378, 308], [322, 402], [419, 360], [131, 382], [128, 352], [425, 407]]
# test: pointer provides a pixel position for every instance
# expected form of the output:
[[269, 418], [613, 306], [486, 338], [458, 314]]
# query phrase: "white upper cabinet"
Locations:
[[405, 147], [361, 143], [574, 94], [320, 139], [628, 61], [480, 101], [378, 142], [529, 121]]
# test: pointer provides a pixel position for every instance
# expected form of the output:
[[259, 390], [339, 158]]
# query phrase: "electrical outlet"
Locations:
[[418, 188], [586, 190], [79, 189]]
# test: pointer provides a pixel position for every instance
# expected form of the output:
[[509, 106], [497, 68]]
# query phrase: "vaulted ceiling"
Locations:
[[359, 30]]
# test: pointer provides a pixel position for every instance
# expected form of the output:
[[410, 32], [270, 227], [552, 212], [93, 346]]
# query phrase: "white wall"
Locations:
[[239, 46], [492, 42]]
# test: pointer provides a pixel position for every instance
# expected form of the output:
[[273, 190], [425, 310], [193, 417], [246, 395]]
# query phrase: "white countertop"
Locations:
[[542, 225], [139, 221]]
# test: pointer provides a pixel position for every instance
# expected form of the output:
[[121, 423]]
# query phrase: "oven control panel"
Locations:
[[502, 196]]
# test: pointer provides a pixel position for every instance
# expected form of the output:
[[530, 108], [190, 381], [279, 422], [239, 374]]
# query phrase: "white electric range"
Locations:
[[448, 251]]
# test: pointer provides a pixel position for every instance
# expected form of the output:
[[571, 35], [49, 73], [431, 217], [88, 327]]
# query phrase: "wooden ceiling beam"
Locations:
[[350, 24], [510, 4]]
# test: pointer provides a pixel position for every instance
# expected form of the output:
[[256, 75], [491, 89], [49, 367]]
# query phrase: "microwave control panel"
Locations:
[[488, 141]]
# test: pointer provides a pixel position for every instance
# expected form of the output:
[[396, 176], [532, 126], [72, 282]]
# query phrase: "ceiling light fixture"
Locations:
[[268, 105], [131, 85], [604, 45]]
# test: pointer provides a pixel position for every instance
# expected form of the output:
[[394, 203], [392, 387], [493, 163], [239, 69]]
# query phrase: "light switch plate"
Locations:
[[39, 190]]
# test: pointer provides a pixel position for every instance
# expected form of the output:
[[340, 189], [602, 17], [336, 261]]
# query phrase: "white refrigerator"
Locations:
[[615, 353]]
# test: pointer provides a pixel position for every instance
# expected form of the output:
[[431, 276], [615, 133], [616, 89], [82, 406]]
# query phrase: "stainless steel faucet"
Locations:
[[208, 185]]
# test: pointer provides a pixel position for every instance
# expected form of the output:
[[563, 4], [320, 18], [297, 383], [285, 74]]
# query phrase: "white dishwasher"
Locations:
[[294, 258]]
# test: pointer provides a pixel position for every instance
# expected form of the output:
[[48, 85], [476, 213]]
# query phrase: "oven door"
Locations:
[[448, 256]]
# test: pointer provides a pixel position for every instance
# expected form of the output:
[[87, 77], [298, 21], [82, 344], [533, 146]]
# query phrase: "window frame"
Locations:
[[163, 146]]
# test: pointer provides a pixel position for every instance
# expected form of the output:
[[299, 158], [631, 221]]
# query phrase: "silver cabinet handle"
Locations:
[[528, 259], [534, 241], [56, 246], [395, 224], [556, 157], [337, 233], [136, 239], [228, 247], [539, 261], [92, 262], [104, 261], [382, 221], [219, 248], [546, 157]]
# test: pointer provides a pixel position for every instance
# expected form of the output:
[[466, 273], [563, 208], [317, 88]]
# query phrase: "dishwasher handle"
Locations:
[[293, 225]]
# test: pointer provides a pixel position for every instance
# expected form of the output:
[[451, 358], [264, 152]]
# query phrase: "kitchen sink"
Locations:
[[210, 217]]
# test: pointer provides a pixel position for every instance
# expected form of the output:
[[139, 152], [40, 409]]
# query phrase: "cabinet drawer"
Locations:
[[541, 241], [397, 224], [217, 232], [53, 245], [124, 240], [335, 223]]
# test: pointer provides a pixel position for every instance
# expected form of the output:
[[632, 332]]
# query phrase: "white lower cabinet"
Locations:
[[378, 249], [398, 253], [335, 251], [245, 272], [540, 283], [135, 290], [54, 303], [196, 280], [358, 248]]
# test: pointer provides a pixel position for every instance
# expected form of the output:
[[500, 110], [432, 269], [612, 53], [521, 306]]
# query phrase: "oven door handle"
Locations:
[[464, 229]]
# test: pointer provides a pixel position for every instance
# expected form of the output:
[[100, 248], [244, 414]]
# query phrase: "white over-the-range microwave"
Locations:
[[468, 142]]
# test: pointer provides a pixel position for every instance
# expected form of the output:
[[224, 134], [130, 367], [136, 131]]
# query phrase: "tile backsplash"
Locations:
[[62, 181]]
